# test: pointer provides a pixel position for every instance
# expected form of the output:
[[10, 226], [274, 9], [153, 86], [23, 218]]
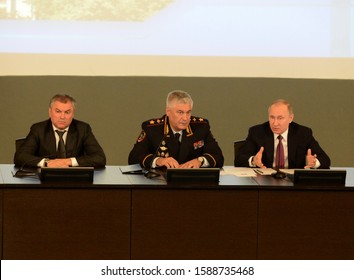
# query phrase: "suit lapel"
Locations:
[[50, 140], [269, 147], [291, 147], [70, 140]]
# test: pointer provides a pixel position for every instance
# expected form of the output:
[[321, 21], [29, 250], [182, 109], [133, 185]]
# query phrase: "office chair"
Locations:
[[237, 146]]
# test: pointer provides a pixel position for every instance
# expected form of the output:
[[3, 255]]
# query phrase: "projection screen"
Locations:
[[219, 38]]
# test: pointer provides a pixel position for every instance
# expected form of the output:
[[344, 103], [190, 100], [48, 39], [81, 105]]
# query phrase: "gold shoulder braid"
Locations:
[[154, 122], [198, 120]]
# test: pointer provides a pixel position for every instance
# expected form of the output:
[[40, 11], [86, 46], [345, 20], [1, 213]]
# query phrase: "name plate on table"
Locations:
[[70, 174], [192, 175], [319, 177]]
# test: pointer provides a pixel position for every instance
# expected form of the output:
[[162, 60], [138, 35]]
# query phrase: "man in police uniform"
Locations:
[[178, 139]]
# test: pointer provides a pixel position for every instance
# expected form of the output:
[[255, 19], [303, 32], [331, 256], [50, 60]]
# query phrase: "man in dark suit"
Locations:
[[61, 141], [299, 147], [178, 139]]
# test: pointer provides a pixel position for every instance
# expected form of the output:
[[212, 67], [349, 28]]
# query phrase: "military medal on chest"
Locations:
[[163, 150]]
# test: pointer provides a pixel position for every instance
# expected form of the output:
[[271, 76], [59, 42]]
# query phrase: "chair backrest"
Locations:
[[19, 142], [237, 146]]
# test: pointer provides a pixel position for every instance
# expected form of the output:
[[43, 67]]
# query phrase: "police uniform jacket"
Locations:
[[156, 140]]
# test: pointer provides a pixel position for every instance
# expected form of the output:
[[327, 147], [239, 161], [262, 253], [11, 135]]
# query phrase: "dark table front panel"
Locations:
[[132, 217], [295, 224], [194, 224], [66, 223]]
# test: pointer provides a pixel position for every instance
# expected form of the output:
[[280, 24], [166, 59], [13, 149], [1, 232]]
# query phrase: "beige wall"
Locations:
[[116, 106]]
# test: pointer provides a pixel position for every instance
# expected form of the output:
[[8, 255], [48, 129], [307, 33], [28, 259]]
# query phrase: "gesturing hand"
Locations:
[[311, 160], [257, 159]]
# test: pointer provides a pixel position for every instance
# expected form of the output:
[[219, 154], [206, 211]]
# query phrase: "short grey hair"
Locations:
[[179, 96], [63, 98]]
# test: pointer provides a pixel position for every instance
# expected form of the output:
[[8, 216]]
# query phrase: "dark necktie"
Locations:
[[61, 146], [177, 136], [279, 156]]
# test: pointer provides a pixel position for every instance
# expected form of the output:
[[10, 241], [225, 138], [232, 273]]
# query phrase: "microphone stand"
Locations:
[[21, 172], [278, 174]]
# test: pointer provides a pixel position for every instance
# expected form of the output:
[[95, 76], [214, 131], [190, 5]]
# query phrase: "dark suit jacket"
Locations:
[[197, 140], [80, 143], [300, 139]]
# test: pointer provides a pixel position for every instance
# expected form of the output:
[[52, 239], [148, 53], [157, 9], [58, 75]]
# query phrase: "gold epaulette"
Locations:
[[198, 120], [154, 122]]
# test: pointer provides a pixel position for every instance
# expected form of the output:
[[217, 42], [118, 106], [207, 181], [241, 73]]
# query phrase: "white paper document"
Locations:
[[238, 171], [251, 172], [264, 171]]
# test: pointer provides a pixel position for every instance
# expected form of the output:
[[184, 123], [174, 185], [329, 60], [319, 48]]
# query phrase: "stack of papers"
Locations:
[[250, 172]]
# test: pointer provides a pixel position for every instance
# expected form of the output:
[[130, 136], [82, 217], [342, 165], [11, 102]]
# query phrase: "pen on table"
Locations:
[[258, 171]]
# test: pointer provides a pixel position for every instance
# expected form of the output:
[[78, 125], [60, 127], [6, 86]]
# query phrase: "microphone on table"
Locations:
[[150, 173], [279, 174], [21, 173]]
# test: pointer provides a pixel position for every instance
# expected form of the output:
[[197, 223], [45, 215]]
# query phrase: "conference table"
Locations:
[[132, 217]]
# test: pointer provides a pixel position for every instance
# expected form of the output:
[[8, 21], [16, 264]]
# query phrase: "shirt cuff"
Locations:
[[205, 163], [317, 165], [41, 163], [153, 164], [250, 162], [74, 162]]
